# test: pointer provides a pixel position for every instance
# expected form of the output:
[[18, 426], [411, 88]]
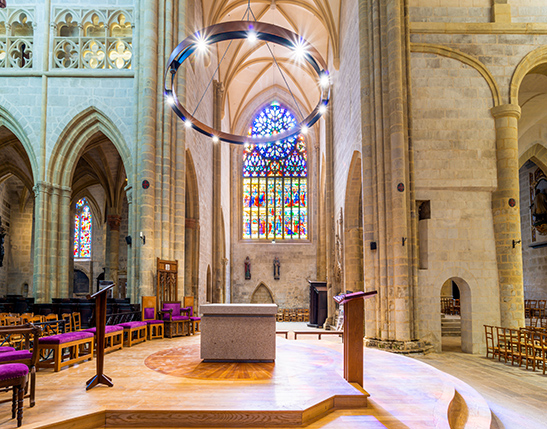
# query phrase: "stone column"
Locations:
[[329, 212], [113, 251], [42, 194], [66, 243], [506, 213], [386, 168], [146, 145], [218, 292]]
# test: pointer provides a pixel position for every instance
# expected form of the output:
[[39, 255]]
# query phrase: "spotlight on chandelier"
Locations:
[[237, 30]]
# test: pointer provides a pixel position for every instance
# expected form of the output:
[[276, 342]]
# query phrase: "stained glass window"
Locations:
[[275, 180], [82, 230]]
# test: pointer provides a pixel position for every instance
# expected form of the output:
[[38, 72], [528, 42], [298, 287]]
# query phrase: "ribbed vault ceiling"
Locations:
[[249, 72]]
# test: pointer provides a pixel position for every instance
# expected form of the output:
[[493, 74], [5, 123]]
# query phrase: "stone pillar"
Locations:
[[218, 292], [506, 213], [132, 290], [66, 243], [42, 194], [146, 146], [113, 251], [329, 212], [386, 168]]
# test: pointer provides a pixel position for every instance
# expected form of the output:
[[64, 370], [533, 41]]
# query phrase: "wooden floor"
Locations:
[[163, 383]]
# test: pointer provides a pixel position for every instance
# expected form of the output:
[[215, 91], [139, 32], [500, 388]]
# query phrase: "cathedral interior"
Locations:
[[424, 177]]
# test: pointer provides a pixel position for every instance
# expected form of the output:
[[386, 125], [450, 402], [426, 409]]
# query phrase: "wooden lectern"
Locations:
[[354, 311], [100, 323]]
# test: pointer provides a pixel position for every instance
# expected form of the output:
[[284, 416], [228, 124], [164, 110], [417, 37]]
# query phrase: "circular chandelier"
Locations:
[[251, 30]]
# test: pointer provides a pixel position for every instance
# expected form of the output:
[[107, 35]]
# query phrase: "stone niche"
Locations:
[[238, 332]]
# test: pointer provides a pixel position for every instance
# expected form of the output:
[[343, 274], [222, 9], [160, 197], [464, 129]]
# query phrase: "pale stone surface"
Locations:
[[238, 332]]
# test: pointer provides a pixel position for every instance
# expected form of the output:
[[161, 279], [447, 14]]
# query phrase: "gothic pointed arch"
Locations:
[[262, 295], [72, 142], [14, 126], [537, 154]]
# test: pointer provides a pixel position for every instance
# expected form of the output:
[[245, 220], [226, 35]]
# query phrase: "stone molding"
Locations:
[[477, 28]]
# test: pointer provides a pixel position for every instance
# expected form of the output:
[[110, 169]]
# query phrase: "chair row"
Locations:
[[450, 306], [293, 315], [535, 308], [524, 345]]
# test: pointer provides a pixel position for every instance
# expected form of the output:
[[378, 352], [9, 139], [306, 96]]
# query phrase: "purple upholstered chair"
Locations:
[[15, 375], [155, 326], [173, 311], [177, 322]]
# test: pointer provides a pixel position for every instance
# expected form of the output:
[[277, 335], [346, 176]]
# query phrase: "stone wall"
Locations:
[[17, 266], [455, 169], [528, 10], [450, 11]]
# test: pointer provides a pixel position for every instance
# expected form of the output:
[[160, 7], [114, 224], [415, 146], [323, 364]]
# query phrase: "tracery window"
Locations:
[[275, 180], [82, 229], [96, 39], [16, 38]]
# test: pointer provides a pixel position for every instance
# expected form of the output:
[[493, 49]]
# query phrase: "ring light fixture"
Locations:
[[258, 31]]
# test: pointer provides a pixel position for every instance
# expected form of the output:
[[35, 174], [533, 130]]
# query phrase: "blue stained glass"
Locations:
[[278, 209]]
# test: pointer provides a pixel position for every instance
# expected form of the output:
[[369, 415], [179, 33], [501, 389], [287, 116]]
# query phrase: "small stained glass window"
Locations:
[[82, 230], [275, 180]]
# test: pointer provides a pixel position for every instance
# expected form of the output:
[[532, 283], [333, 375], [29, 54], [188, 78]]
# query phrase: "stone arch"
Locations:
[[537, 154], [8, 120], [353, 227], [262, 295], [534, 59], [465, 311], [72, 142], [444, 51], [8, 169]]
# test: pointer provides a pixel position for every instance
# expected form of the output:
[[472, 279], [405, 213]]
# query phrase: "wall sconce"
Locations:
[[128, 240], [143, 238], [404, 240], [515, 242]]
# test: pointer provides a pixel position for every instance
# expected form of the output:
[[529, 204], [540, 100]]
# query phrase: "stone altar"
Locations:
[[238, 332]]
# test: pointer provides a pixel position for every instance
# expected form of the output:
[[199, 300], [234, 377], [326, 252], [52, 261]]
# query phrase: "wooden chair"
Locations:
[[533, 353], [76, 322], [516, 350], [15, 375], [29, 357], [176, 323], [194, 318], [503, 346], [491, 346], [149, 315], [67, 317], [51, 328]]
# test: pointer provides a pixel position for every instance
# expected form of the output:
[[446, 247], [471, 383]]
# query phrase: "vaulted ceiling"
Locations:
[[248, 70]]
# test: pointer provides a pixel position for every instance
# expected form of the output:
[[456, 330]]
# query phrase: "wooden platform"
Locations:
[[163, 383]]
